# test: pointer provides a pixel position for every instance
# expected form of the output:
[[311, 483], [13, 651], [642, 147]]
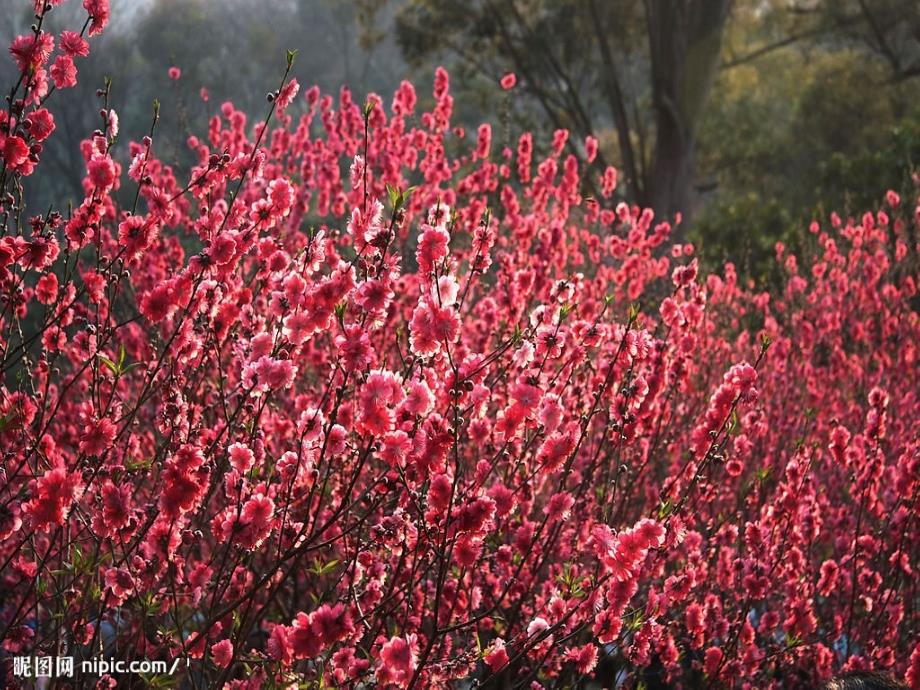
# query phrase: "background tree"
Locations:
[[812, 108], [642, 70], [749, 117]]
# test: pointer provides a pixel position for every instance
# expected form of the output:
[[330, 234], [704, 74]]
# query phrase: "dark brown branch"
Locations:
[[886, 50], [773, 47], [618, 107]]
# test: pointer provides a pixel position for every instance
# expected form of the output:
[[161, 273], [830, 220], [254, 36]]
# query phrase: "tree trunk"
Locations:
[[685, 38]]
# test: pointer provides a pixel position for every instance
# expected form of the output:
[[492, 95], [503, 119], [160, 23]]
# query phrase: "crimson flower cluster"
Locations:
[[356, 402]]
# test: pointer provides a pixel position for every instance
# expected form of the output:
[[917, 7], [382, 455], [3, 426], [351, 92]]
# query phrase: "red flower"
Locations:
[[828, 580], [590, 149], [53, 495], [431, 327], [398, 658], [73, 44], [912, 677], [483, 140], [99, 11], [64, 72], [305, 644], [135, 234], [158, 303], [331, 624], [15, 151], [287, 94], [268, 373], [98, 437], [241, 457], [326, 424], [439, 493], [279, 645], [119, 582], [712, 660], [496, 656], [432, 247], [256, 521], [41, 124], [116, 509], [222, 652], [101, 170], [46, 289], [223, 249], [31, 52], [380, 393], [185, 481], [355, 348], [584, 658]]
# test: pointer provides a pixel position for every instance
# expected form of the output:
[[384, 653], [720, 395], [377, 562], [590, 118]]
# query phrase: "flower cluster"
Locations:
[[354, 402]]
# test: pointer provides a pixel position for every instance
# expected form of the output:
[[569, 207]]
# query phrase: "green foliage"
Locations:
[[778, 152]]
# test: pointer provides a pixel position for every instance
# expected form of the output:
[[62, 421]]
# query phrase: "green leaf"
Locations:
[[634, 311], [394, 194], [733, 423], [398, 198], [565, 310], [144, 464], [665, 509], [6, 419], [320, 568], [110, 365], [118, 368]]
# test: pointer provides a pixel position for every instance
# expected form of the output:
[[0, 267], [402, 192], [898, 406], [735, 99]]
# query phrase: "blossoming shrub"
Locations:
[[341, 408]]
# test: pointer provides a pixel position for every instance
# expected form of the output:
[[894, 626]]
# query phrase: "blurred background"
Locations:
[[751, 117]]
